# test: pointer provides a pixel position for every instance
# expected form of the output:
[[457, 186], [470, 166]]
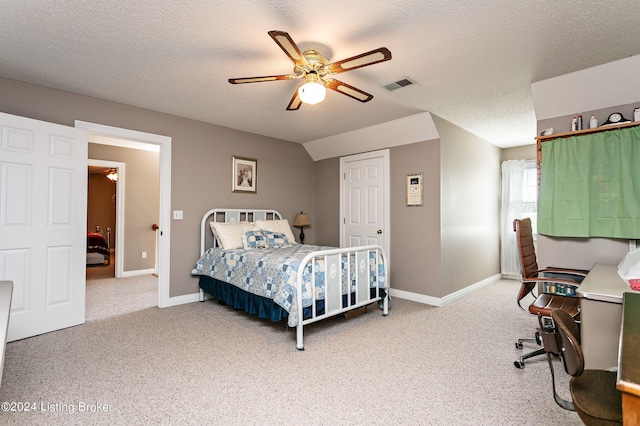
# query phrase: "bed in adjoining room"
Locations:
[[251, 261], [98, 247]]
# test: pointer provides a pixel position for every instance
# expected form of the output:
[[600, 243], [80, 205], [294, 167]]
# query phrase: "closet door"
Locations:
[[43, 210], [365, 199]]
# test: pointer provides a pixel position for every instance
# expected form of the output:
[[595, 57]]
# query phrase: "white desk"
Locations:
[[601, 315]]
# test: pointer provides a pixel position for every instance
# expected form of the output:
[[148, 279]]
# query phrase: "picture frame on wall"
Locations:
[[415, 191], [245, 175]]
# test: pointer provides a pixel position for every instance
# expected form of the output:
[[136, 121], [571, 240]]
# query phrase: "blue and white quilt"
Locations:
[[272, 273]]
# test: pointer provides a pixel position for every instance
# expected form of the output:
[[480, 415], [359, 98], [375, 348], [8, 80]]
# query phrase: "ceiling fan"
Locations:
[[317, 72]]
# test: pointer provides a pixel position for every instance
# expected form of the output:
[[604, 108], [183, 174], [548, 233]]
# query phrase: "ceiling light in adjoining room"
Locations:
[[113, 175]]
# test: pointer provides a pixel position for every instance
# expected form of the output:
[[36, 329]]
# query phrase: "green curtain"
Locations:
[[590, 185]]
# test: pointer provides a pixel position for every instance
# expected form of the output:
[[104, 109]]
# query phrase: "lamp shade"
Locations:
[[312, 93], [302, 220], [113, 175]]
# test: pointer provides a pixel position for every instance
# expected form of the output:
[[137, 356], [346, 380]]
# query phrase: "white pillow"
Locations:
[[229, 235], [277, 226]]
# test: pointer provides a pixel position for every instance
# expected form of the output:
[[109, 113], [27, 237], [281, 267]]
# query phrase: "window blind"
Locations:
[[590, 185]]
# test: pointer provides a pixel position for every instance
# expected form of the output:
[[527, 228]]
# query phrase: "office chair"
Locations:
[[548, 288], [593, 392]]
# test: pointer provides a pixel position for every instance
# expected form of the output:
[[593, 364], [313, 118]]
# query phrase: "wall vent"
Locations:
[[398, 84]]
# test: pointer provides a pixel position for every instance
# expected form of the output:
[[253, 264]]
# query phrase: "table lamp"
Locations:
[[301, 221]]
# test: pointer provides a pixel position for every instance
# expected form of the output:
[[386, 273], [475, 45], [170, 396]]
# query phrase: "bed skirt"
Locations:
[[257, 305]]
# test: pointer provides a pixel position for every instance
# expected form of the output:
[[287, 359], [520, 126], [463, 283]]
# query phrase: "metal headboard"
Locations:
[[230, 216]]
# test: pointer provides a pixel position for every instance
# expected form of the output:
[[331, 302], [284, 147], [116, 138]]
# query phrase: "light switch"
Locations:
[[177, 214]]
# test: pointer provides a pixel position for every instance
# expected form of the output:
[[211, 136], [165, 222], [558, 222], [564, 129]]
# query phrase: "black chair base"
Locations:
[[520, 362]]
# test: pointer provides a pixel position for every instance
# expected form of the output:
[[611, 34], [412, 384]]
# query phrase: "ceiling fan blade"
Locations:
[[287, 44], [295, 102], [373, 57], [348, 90], [260, 79]]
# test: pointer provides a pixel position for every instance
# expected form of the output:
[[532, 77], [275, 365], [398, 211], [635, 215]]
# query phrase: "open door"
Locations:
[[43, 208]]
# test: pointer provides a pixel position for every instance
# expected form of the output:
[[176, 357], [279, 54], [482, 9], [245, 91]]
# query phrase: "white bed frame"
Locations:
[[332, 261]]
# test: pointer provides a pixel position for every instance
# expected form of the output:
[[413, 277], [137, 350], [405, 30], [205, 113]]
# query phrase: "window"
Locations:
[[530, 194], [590, 185]]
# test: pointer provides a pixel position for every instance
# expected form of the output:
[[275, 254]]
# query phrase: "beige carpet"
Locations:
[[110, 297], [107, 296], [204, 363]]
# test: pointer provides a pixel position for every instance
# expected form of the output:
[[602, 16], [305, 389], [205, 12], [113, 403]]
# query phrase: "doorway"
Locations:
[[104, 210], [133, 138]]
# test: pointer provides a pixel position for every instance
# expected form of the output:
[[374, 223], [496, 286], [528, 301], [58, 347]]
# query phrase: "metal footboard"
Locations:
[[342, 267]]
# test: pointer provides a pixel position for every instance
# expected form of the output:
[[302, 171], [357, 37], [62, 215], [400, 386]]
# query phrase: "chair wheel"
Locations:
[[519, 364], [518, 345], [538, 338]]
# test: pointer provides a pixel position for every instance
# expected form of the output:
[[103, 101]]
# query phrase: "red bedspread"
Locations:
[[96, 243]]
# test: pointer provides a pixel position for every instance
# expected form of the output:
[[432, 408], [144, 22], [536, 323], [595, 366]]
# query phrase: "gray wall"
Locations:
[[457, 226], [581, 252], [415, 231], [524, 152], [141, 202], [452, 241], [201, 164], [327, 202], [101, 210], [470, 203]]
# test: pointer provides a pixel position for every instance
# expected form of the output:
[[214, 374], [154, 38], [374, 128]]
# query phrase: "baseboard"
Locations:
[[181, 300], [446, 300], [415, 297], [138, 272], [510, 277], [400, 294]]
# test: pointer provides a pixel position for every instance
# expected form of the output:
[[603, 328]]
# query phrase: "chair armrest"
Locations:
[[556, 286]]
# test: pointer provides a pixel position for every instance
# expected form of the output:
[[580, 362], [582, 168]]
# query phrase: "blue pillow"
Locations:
[[253, 240], [276, 239]]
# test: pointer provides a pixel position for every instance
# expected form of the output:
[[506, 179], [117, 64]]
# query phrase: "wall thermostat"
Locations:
[[415, 189]]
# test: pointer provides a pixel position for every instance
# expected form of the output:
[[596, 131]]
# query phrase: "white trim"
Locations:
[[184, 299], [138, 272], [104, 140], [449, 298], [120, 200], [164, 245]]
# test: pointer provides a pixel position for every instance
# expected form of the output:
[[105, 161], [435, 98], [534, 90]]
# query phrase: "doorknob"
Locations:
[[379, 231], [155, 227]]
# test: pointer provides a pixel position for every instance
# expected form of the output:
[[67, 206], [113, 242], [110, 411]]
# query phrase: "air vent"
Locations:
[[398, 84]]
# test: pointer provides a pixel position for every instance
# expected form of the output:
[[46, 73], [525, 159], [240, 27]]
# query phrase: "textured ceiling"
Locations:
[[472, 61]]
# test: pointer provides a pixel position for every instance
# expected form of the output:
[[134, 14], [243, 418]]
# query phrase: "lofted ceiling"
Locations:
[[472, 62]]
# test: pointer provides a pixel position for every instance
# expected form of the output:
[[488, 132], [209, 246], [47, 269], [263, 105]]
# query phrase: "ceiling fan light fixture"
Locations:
[[312, 92], [113, 175]]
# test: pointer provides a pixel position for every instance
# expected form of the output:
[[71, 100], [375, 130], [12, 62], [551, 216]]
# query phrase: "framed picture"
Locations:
[[414, 189], [245, 175]]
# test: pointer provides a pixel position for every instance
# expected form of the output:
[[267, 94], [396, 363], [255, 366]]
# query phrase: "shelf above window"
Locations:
[[544, 138]]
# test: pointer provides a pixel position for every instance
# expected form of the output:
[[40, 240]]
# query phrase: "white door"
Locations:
[[365, 199], [43, 213]]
